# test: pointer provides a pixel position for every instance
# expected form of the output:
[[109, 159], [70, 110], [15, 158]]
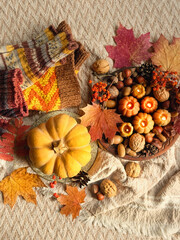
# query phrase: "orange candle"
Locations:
[[149, 104]]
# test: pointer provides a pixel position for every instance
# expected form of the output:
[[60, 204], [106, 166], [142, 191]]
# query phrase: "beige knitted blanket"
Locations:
[[145, 208]]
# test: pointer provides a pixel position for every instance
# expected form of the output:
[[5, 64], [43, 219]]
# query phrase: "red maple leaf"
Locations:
[[13, 139], [128, 49], [101, 121]]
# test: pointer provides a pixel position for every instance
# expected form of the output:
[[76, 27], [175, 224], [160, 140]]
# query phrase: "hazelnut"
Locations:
[[101, 66], [149, 137], [161, 95], [108, 188], [120, 85], [126, 73], [137, 142], [128, 81], [133, 169], [140, 79], [166, 104], [95, 188], [100, 196], [148, 90], [114, 92]]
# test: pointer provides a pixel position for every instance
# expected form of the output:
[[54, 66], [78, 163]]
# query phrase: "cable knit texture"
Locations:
[[147, 208]]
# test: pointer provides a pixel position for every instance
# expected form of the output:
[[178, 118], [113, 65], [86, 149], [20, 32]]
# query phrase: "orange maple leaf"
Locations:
[[167, 55], [19, 182], [101, 121], [72, 201]]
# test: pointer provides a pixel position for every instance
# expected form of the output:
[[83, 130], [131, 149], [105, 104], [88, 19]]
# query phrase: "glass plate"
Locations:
[[94, 147]]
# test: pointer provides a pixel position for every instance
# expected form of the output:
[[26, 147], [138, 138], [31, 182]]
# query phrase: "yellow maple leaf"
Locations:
[[167, 55], [20, 182]]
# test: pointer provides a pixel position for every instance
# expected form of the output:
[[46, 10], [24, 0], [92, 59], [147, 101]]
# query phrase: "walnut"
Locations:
[[161, 95], [133, 169], [108, 188], [137, 142], [114, 92], [101, 66]]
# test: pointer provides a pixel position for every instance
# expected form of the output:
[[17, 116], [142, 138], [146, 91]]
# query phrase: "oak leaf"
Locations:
[[129, 50], [20, 182], [167, 55], [72, 201], [101, 121]]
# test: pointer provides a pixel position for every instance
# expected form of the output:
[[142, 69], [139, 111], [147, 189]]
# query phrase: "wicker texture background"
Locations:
[[93, 23]]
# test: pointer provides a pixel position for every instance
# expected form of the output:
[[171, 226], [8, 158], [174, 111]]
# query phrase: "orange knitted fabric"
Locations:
[[58, 87]]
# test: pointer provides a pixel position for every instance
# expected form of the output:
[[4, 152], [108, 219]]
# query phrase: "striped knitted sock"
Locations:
[[12, 103], [34, 62], [45, 36], [61, 90]]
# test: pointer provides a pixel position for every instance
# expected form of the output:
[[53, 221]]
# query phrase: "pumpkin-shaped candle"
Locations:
[[126, 129], [162, 117], [149, 104], [129, 106], [143, 123], [138, 91]]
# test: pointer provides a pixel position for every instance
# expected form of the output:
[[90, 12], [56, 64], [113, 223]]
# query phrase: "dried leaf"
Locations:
[[167, 55], [128, 49], [101, 121], [72, 201], [13, 138], [19, 182]]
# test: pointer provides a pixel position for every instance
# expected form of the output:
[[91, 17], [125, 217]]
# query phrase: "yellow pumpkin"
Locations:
[[60, 146]]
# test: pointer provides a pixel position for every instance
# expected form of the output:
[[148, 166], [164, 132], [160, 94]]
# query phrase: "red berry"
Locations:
[[55, 195], [51, 185], [54, 177], [100, 196], [55, 182]]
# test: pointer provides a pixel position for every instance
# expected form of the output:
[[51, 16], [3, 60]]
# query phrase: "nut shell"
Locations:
[[133, 169], [121, 150], [108, 188], [114, 92], [101, 66], [161, 95], [137, 142]]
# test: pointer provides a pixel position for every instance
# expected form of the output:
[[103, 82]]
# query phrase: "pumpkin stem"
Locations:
[[59, 146]]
